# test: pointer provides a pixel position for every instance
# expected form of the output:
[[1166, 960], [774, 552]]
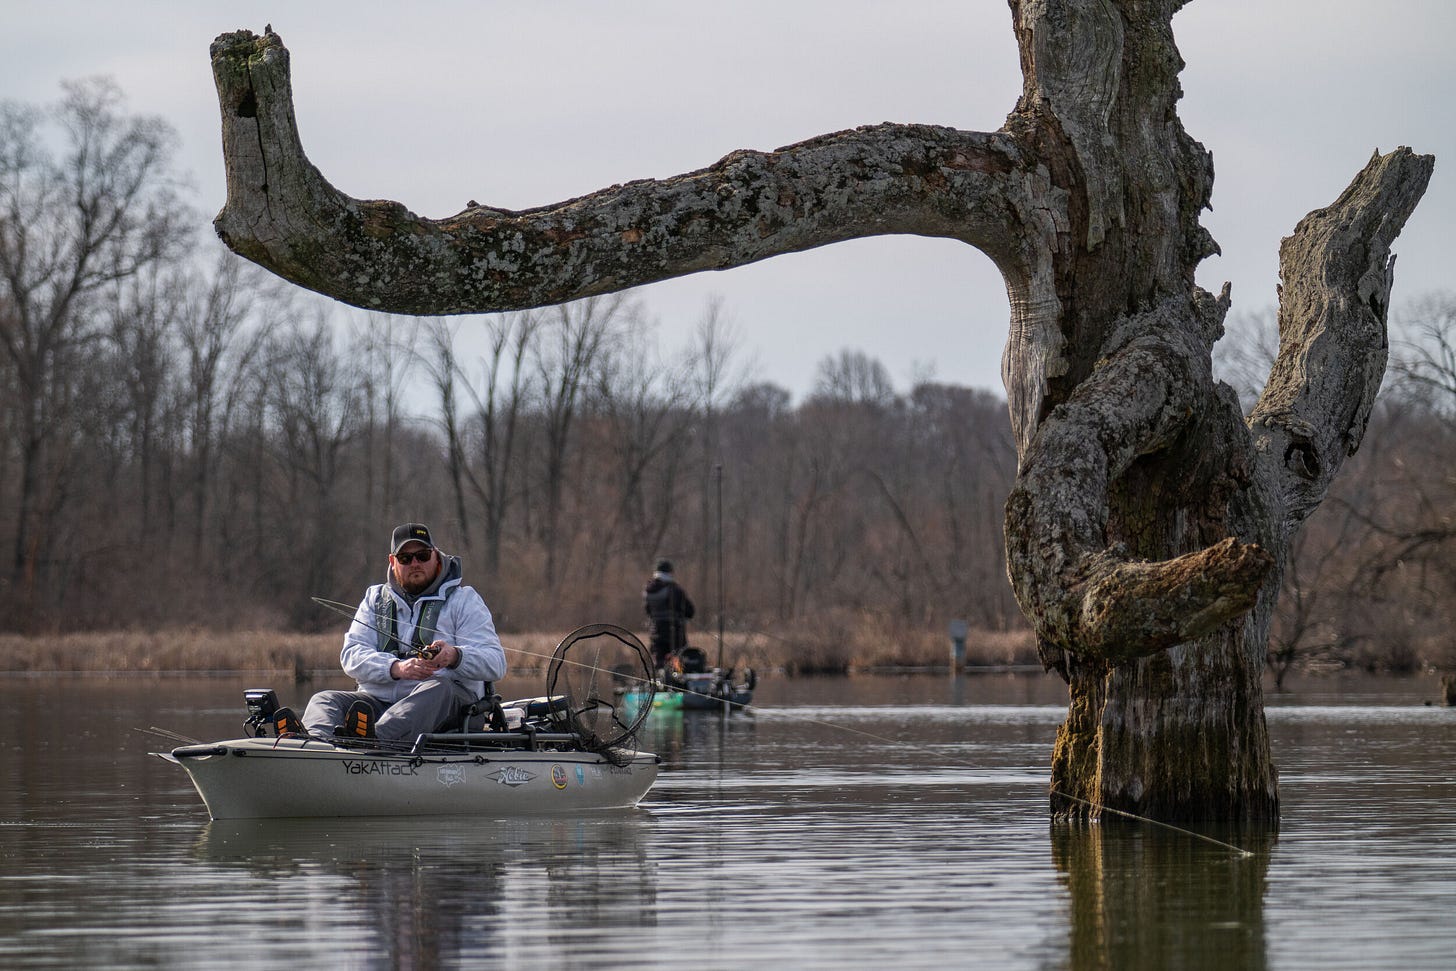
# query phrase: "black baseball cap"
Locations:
[[410, 533]]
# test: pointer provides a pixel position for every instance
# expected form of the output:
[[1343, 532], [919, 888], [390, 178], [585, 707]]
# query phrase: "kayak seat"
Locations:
[[694, 660], [475, 717]]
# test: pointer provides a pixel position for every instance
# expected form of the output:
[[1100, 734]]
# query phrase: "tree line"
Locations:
[[190, 443], [187, 442]]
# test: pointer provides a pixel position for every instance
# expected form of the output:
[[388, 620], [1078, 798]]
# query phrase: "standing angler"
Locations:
[[668, 607]]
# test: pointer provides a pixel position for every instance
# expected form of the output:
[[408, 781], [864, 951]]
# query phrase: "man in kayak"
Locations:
[[668, 607], [422, 646]]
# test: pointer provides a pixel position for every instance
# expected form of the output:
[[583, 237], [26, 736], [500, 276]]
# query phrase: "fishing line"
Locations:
[[351, 612], [1243, 853]]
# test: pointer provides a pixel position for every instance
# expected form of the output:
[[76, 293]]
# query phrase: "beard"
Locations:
[[416, 587]]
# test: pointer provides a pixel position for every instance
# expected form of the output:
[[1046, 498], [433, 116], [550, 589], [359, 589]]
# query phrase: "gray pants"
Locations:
[[434, 704]]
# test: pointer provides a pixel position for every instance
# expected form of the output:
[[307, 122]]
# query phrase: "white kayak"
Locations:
[[252, 778], [571, 751]]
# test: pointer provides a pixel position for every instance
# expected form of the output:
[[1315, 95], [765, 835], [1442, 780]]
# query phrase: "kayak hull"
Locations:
[[258, 778]]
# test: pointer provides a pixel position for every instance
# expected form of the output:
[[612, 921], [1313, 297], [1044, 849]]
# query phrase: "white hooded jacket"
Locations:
[[464, 621]]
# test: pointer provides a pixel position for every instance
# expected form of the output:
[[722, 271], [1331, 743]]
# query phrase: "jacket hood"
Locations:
[[449, 576]]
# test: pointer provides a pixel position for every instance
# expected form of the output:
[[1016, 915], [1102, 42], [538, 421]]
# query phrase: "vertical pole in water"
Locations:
[[718, 474], [727, 689], [958, 631]]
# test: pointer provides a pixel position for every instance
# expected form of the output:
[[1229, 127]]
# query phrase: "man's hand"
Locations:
[[440, 654], [443, 653], [414, 669]]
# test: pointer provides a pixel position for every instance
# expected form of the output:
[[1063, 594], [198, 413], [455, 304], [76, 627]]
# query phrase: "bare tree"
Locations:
[[388, 345], [962, 435], [141, 315], [573, 341], [69, 226], [1408, 560], [503, 392], [853, 376], [1426, 359], [222, 331], [314, 399], [1246, 354], [438, 359], [718, 368], [717, 372], [1149, 524], [647, 416]]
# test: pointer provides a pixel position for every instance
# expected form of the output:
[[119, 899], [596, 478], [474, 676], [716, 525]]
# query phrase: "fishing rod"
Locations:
[[351, 612]]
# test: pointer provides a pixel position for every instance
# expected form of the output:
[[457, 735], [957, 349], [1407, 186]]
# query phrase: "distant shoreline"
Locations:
[[199, 653], [314, 658]]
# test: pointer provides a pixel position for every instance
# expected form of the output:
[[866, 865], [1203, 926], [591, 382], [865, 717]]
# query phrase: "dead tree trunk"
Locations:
[[1150, 522]]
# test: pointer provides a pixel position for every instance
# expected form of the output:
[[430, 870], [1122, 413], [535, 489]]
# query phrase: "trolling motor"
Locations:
[[262, 703]]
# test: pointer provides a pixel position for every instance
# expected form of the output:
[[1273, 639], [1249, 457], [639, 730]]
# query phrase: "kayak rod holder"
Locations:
[[518, 740]]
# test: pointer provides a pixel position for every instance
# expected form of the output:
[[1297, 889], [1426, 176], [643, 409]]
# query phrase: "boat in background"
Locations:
[[689, 684], [702, 687]]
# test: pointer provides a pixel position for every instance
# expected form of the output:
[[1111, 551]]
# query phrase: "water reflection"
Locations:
[[429, 894], [1142, 897], [699, 738]]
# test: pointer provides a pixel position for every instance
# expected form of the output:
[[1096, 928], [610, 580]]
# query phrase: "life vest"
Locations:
[[386, 619]]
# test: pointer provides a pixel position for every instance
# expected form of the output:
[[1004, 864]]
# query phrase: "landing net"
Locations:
[[606, 677]]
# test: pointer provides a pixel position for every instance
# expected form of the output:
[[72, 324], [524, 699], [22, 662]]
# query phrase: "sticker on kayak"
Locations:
[[558, 776], [451, 775], [512, 776]]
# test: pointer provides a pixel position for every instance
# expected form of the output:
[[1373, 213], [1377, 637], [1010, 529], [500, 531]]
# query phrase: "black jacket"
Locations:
[[667, 606]]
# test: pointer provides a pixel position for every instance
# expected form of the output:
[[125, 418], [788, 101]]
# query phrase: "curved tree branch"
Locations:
[[1337, 271], [884, 179]]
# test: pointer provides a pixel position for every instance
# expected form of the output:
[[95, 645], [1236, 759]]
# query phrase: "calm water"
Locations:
[[861, 823]]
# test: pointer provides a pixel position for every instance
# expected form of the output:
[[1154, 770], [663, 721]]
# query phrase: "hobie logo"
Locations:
[[451, 775], [512, 776]]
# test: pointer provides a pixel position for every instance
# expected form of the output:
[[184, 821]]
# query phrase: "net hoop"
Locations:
[[606, 676]]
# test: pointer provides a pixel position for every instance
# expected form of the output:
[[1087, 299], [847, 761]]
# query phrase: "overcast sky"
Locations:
[[525, 103]]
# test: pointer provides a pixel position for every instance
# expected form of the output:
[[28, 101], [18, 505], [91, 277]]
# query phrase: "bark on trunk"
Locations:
[[1149, 523]]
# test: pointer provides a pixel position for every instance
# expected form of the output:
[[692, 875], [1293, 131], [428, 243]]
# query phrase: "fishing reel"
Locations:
[[262, 704]]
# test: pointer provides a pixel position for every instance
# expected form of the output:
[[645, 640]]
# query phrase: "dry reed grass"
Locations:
[[169, 651], [849, 643], [836, 645]]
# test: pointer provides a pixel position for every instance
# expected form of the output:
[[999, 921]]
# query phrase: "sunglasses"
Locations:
[[423, 556]]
